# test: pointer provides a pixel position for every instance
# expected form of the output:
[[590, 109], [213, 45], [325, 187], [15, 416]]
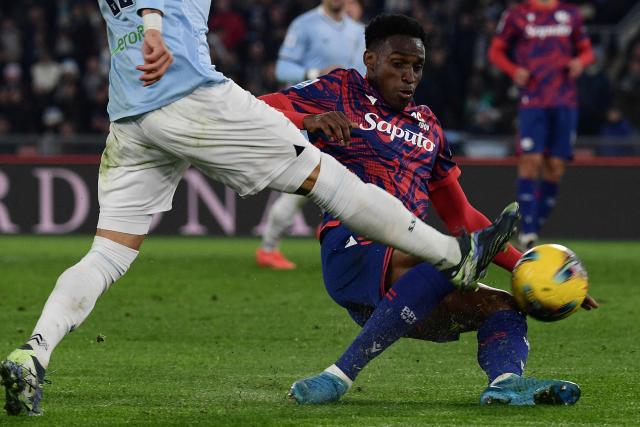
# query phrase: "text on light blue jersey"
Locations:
[[314, 40], [184, 29]]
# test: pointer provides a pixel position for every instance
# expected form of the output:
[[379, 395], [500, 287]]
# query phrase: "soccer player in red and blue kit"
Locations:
[[372, 126], [543, 47]]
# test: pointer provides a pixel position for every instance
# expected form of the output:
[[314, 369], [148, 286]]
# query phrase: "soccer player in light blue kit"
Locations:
[[317, 42], [176, 110]]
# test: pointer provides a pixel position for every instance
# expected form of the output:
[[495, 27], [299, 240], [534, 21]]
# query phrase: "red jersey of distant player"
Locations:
[[543, 39], [406, 153]]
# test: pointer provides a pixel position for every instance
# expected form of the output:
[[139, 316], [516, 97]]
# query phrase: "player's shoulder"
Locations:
[[339, 74], [353, 23], [307, 18], [568, 7], [330, 81], [517, 9], [349, 76], [513, 14]]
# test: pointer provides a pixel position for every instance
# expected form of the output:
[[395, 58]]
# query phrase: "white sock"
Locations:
[[280, 218], [373, 213], [76, 293], [503, 377], [333, 369]]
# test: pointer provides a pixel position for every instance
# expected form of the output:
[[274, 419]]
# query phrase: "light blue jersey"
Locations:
[[314, 40], [184, 29]]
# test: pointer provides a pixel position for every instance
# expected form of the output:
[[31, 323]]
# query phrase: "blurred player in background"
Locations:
[[542, 45], [316, 43], [401, 148], [175, 111]]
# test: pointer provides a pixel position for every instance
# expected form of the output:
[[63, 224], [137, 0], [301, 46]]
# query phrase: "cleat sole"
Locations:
[[567, 393], [13, 405]]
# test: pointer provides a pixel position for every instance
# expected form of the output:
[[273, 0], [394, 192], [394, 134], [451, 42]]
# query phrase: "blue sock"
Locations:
[[408, 302], [502, 344], [526, 195], [546, 200]]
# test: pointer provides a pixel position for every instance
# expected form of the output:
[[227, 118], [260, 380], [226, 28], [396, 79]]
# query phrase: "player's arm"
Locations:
[[498, 57], [452, 206], [498, 51], [459, 215], [313, 107], [157, 57], [290, 64], [584, 51], [334, 124]]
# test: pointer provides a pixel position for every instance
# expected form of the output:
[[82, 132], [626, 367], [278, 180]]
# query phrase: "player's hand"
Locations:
[[575, 68], [589, 303], [521, 76], [334, 124], [157, 57]]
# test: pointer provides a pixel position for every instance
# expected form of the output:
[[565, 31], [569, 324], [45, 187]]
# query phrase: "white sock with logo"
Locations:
[[375, 214], [333, 369], [76, 293], [280, 218]]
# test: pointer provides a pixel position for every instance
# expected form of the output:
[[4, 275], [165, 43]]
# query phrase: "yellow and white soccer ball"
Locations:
[[549, 282]]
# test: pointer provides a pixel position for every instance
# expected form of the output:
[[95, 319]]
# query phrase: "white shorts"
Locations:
[[223, 130]]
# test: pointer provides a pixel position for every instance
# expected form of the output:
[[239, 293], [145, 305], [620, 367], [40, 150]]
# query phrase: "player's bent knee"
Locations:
[[529, 165], [125, 230], [493, 300], [300, 176]]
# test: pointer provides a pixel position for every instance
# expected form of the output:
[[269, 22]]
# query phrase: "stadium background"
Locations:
[[53, 93], [197, 334]]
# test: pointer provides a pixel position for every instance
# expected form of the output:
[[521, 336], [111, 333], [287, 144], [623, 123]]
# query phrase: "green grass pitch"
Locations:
[[196, 334]]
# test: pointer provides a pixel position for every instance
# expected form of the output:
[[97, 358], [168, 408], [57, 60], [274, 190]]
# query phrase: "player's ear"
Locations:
[[369, 59]]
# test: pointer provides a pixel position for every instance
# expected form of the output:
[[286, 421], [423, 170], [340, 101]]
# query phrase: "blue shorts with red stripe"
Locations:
[[550, 131], [353, 269]]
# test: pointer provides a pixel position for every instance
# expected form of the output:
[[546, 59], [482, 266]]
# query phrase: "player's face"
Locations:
[[394, 68], [334, 6]]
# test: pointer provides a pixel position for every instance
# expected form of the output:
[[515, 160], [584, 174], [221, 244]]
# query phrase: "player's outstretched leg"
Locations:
[[326, 387], [520, 391], [479, 248], [71, 301], [410, 300], [375, 214], [279, 219], [22, 378]]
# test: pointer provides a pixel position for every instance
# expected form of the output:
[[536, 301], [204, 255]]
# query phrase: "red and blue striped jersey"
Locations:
[[405, 153], [543, 40]]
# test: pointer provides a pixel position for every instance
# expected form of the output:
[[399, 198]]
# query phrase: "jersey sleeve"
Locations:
[[317, 96], [581, 41], [445, 168], [290, 66], [507, 30], [150, 4], [579, 32]]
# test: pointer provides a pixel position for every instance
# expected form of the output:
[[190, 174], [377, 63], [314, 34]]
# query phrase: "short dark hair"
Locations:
[[381, 27]]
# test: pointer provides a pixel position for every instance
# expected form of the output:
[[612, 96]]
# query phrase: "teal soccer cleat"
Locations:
[[325, 387], [22, 378], [519, 391]]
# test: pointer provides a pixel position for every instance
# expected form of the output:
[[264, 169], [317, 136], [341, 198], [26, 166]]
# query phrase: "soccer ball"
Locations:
[[549, 282]]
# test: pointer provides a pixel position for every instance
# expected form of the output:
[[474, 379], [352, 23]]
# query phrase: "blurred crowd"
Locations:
[[54, 62]]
